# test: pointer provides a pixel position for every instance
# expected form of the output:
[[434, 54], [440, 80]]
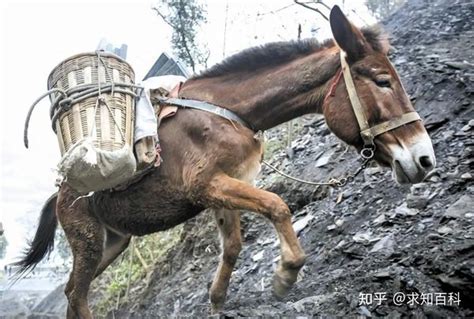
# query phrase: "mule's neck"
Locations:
[[273, 95]]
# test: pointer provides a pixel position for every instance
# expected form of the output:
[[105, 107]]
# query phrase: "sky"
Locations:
[[36, 35]]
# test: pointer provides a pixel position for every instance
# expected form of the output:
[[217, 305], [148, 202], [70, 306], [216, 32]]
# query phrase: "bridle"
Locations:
[[367, 132]]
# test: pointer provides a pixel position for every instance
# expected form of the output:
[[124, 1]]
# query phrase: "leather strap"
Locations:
[[366, 132], [208, 107], [392, 124]]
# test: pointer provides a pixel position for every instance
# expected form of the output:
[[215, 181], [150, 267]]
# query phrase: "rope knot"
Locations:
[[65, 104], [101, 99]]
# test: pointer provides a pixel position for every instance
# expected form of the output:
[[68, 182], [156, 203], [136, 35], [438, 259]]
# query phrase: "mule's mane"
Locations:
[[276, 53], [266, 55]]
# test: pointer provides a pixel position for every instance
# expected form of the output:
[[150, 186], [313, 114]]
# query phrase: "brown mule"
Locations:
[[210, 162]]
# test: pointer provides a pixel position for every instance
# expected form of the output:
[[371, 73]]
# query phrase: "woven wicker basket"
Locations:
[[82, 119]]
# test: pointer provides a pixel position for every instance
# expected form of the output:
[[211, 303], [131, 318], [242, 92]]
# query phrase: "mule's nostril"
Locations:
[[425, 162]]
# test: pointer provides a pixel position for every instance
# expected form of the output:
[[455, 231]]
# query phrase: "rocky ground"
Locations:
[[372, 238]]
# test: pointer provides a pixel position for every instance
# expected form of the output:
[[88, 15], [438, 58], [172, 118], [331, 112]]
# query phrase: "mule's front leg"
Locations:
[[228, 223], [230, 193]]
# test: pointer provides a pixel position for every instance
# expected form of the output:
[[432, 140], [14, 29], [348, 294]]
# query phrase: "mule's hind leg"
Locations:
[[228, 223], [85, 235], [115, 244], [227, 192]]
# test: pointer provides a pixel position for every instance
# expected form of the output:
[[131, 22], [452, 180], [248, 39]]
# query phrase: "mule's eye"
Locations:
[[383, 83]]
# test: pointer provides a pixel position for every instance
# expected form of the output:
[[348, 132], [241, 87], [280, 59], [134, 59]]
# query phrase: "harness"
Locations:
[[206, 106]]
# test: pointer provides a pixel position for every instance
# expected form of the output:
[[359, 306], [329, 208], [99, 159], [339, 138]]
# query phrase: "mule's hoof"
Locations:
[[216, 308], [281, 287]]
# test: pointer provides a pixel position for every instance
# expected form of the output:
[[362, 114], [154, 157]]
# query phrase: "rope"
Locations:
[[32, 107], [65, 104], [102, 99], [106, 71], [333, 182], [113, 117], [330, 183]]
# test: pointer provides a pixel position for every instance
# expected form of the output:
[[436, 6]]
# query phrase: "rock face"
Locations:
[[462, 208], [373, 236]]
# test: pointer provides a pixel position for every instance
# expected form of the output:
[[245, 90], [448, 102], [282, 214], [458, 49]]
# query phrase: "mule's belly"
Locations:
[[143, 220], [139, 211], [150, 221]]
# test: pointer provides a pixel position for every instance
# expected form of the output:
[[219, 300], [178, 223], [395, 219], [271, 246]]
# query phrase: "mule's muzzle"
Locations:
[[410, 164]]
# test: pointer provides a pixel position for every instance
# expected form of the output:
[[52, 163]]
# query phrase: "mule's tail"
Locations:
[[43, 242]]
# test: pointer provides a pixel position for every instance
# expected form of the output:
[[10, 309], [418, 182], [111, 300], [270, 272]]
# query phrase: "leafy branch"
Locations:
[[185, 18]]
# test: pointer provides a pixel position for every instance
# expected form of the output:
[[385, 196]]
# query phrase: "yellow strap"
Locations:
[[356, 105], [393, 123]]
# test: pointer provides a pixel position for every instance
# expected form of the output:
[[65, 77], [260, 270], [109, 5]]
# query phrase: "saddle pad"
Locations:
[[166, 111]]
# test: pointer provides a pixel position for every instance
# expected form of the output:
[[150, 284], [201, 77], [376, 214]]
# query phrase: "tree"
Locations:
[[381, 9], [312, 5], [3, 246], [185, 17]]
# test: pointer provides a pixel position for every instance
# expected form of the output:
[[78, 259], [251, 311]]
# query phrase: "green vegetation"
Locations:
[[132, 270], [272, 147], [275, 145]]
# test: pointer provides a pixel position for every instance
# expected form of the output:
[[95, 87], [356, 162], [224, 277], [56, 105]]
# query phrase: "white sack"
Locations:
[[89, 169], [145, 119]]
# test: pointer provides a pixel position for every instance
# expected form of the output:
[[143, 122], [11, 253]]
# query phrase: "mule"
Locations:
[[210, 162]]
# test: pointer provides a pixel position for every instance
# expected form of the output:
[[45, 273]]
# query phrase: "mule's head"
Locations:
[[406, 149]]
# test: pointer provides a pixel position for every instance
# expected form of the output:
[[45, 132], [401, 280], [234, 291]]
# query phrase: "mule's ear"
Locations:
[[347, 36]]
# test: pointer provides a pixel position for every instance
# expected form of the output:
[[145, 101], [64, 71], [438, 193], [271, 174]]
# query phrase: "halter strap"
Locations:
[[391, 124], [367, 132]]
